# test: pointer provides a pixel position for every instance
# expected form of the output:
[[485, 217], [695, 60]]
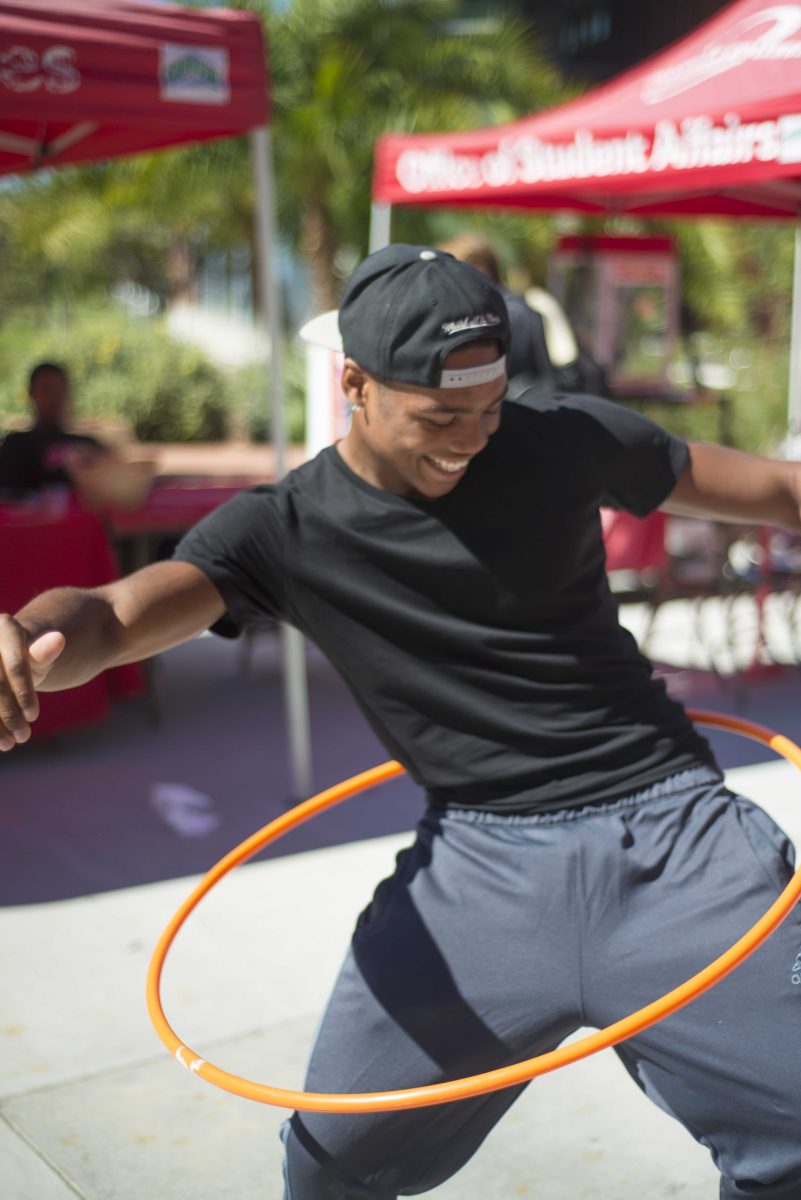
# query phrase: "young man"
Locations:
[[580, 854]]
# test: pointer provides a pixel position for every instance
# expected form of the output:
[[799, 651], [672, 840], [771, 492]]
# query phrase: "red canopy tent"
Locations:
[[709, 127], [94, 80], [87, 80]]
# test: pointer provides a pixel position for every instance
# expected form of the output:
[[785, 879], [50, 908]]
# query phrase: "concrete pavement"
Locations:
[[91, 1105]]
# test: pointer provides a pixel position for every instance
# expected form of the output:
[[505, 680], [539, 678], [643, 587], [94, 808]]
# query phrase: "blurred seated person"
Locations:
[[41, 456], [544, 352], [576, 370]]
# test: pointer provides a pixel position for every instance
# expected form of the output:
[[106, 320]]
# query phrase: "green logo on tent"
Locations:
[[194, 74], [189, 69]]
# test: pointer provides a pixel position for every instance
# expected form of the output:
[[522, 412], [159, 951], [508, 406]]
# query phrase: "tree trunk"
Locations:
[[319, 246], [181, 271]]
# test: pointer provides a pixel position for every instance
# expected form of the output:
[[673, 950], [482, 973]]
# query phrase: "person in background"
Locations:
[[41, 456], [545, 355]]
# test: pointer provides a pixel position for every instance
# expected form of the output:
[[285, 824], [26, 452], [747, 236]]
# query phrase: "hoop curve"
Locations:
[[488, 1081]]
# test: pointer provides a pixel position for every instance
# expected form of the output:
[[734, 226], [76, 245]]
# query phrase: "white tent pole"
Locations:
[[794, 396], [380, 225], [296, 693], [267, 281]]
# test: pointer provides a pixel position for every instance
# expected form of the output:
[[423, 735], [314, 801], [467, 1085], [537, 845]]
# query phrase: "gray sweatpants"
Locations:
[[498, 936]]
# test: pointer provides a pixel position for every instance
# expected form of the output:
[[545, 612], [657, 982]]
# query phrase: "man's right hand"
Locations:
[[24, 665], [120, 622]]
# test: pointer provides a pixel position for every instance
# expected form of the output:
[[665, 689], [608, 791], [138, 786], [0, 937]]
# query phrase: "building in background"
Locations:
[[592, 40]]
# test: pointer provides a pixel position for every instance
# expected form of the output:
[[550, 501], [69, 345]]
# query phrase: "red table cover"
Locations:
[[38, 551]]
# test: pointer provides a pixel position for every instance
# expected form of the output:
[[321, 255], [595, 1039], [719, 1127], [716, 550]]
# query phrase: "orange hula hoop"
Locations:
[[488, 1081]]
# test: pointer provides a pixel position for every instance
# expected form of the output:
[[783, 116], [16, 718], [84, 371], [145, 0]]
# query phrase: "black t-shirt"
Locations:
[[34, 458], [476, 631]]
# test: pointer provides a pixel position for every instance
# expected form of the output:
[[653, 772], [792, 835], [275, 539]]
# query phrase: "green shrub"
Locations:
[[19, 338], [249, 398], [760, 415], [122, 367], [756, 416], [129, 368]]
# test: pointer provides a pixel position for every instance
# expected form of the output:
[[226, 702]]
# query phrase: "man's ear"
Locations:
[[354, 383]]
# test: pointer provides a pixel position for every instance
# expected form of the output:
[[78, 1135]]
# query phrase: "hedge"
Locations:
[[128, 368]]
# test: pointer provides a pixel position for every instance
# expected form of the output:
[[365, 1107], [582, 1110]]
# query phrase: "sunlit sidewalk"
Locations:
[[93, 1105]]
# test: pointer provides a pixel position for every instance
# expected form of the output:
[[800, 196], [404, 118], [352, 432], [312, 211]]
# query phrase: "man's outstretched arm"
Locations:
[[722, 484], [68, 635]]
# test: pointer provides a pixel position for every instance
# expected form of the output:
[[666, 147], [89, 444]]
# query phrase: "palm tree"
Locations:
[[345, 71], [341, 73], [146, 219]]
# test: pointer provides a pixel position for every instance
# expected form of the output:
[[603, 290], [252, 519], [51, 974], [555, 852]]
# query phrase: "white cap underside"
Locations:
[[323, 331]]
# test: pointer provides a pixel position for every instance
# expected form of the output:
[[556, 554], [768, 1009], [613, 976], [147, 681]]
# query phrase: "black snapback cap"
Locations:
[[405, 308]]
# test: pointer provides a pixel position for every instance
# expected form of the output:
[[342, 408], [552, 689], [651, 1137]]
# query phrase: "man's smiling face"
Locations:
[[413, 440]]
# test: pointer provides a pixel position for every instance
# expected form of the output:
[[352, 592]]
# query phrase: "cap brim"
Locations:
[[323, 331]]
